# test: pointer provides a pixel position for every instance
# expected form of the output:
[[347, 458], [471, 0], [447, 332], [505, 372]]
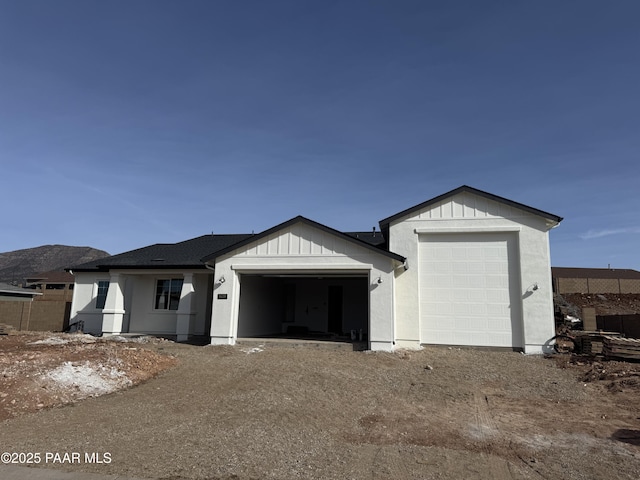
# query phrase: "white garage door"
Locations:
[[469, 290]]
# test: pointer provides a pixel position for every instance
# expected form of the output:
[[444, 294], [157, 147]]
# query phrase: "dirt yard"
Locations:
[[251, 412]]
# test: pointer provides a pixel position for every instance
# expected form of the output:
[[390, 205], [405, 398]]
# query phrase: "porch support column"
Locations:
[[113, 311], [185, 313]]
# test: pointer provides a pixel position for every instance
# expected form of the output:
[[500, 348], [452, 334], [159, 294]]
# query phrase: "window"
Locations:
[[168, 294], [101, 297]]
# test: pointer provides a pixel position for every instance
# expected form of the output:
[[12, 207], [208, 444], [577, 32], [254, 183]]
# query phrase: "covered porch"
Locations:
[[174, 305]]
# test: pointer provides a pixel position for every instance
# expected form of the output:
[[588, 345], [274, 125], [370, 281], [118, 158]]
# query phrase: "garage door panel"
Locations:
[[473, 253], [496, 296], [496, 282], [441, 268], [458, 268], [495, 268], [479, 337], [443, 309], [437, 296], [461, 309], [467, 288], [475, 295], [476, 268]]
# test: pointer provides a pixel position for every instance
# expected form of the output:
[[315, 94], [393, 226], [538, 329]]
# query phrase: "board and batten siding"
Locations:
[[469, 213], [302, 239], [304, 249], [470, 206]]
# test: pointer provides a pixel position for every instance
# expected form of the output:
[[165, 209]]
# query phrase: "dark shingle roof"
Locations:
[[608, 273], [166, 255], [190, 253], [373, 238]]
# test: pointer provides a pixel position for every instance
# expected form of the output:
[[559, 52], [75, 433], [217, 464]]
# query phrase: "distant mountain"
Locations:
[[16, 265]]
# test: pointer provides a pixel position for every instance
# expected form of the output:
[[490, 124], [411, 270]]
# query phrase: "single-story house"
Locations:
[[464, 268]]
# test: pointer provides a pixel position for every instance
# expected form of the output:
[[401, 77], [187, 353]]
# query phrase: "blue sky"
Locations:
[[127, 123]]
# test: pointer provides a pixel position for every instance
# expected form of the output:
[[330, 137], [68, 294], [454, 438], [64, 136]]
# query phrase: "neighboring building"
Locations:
[[464, 268], [16, 304], [52, 309], [595, 280]]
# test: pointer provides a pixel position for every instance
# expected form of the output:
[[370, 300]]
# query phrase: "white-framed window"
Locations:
[[168, 293], [102, 287]]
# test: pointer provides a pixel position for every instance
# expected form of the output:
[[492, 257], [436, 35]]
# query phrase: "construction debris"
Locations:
[[621, 348]]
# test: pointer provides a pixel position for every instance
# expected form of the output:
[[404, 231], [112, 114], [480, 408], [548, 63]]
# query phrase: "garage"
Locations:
[[322, 307], [469, 289], [302, 279]]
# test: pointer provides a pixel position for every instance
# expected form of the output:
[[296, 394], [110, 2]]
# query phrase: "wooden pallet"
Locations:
[[589, 345], [590, 342], [621, 348]]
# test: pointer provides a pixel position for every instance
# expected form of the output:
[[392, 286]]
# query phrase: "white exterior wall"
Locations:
[[144, 318], [139, 297], [302, 248], [467, 212], [84, 301]]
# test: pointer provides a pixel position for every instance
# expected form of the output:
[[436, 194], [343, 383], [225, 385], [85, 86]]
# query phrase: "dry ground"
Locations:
[[282, 413], [605, 304], [41, 370]]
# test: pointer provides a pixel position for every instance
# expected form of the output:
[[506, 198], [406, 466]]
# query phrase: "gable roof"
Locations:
[[605, 273], [353, 238], [465, 188]]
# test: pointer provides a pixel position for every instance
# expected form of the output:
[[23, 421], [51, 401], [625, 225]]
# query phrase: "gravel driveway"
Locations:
[[282, 413]]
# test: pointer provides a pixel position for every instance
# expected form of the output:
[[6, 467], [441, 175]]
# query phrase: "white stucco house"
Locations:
[[464, 268]]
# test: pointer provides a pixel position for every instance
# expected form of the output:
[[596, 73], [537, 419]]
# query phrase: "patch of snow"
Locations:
[[249, 351], [133, 339], [65, 338], [51, 341], [88, 378]]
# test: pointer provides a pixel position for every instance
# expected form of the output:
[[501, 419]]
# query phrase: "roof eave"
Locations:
[[106, 268], [17, 293]]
